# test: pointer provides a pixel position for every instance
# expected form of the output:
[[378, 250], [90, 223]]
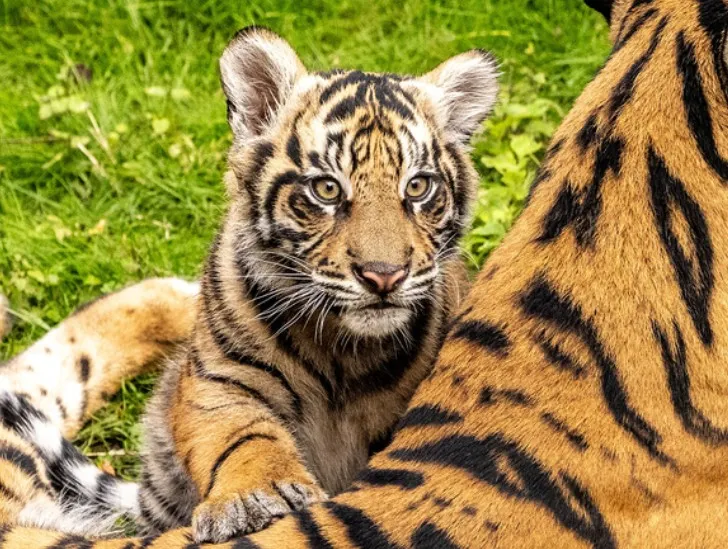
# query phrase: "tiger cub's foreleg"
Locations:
[[247, 469]]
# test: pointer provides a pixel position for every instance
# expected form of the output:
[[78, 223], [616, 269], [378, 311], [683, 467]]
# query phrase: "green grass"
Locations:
[[113, 132]]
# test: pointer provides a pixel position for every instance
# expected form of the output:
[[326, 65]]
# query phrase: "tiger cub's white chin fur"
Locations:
[[375, 322]]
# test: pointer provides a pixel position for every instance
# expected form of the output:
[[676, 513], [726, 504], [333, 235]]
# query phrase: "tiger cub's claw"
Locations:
[[216, 521]]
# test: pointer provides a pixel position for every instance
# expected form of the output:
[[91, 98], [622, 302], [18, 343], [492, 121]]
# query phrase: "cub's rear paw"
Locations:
[[218, 520]]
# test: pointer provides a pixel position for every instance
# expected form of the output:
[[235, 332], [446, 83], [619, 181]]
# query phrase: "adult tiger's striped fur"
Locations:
[[47, 392], [581, 399]]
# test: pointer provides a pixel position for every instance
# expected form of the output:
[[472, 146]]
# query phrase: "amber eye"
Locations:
[[417, 187], [326, 190]]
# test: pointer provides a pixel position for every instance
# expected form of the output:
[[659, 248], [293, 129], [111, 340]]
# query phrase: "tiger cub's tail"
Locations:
[[69, 492], [49, 391]]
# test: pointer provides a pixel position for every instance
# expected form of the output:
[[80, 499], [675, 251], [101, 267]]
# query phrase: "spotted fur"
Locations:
[[47, 392]]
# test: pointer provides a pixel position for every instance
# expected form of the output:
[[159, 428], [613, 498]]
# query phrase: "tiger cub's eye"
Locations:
[[327, 191], [417, 187]]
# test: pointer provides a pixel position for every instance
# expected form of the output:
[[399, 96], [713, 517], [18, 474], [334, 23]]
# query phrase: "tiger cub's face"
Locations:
[[355, 187]]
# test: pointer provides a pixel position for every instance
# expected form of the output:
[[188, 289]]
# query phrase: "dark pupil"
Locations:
[[329, 188]]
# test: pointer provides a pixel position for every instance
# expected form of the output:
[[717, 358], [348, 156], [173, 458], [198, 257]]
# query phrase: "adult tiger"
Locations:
[[580, 399]]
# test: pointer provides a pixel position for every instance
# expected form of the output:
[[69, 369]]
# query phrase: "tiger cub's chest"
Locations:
[[336, 444]]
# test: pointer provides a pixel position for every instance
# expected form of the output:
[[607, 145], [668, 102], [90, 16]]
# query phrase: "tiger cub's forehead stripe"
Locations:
[[382, 92]]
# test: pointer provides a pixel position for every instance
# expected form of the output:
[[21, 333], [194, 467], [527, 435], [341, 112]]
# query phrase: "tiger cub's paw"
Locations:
[[218, 520]]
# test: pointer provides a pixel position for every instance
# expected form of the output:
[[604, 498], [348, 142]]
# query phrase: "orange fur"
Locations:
[[74, 369], [580, 399], [311, 365], [70, 373]]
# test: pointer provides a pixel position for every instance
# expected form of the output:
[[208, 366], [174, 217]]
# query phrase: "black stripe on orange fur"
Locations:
[[544, 303]]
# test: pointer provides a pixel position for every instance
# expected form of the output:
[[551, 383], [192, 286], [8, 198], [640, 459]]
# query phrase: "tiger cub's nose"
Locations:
[[381, 278]]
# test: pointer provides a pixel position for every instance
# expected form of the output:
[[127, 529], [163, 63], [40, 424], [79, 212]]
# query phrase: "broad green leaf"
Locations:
[[524, 145], [160, 126]]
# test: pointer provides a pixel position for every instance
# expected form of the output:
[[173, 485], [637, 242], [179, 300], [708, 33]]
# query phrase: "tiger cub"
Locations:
[[327, 291]]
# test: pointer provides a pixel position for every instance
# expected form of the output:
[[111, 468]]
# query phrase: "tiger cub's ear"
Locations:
[[465, 89], [259, 70]]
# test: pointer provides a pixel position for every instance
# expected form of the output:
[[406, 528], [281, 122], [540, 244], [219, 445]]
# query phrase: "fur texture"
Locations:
[[319, 316], [47, 392], [580, 398]]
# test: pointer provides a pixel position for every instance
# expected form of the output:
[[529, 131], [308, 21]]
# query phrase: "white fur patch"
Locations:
[[128, 498], [82, 521], [182, 286], [464, 89], [46, 437], [87, 475], [47, 373], [375, 323]]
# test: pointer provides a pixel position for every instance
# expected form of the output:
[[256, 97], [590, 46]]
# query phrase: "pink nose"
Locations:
[[381, 278]]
